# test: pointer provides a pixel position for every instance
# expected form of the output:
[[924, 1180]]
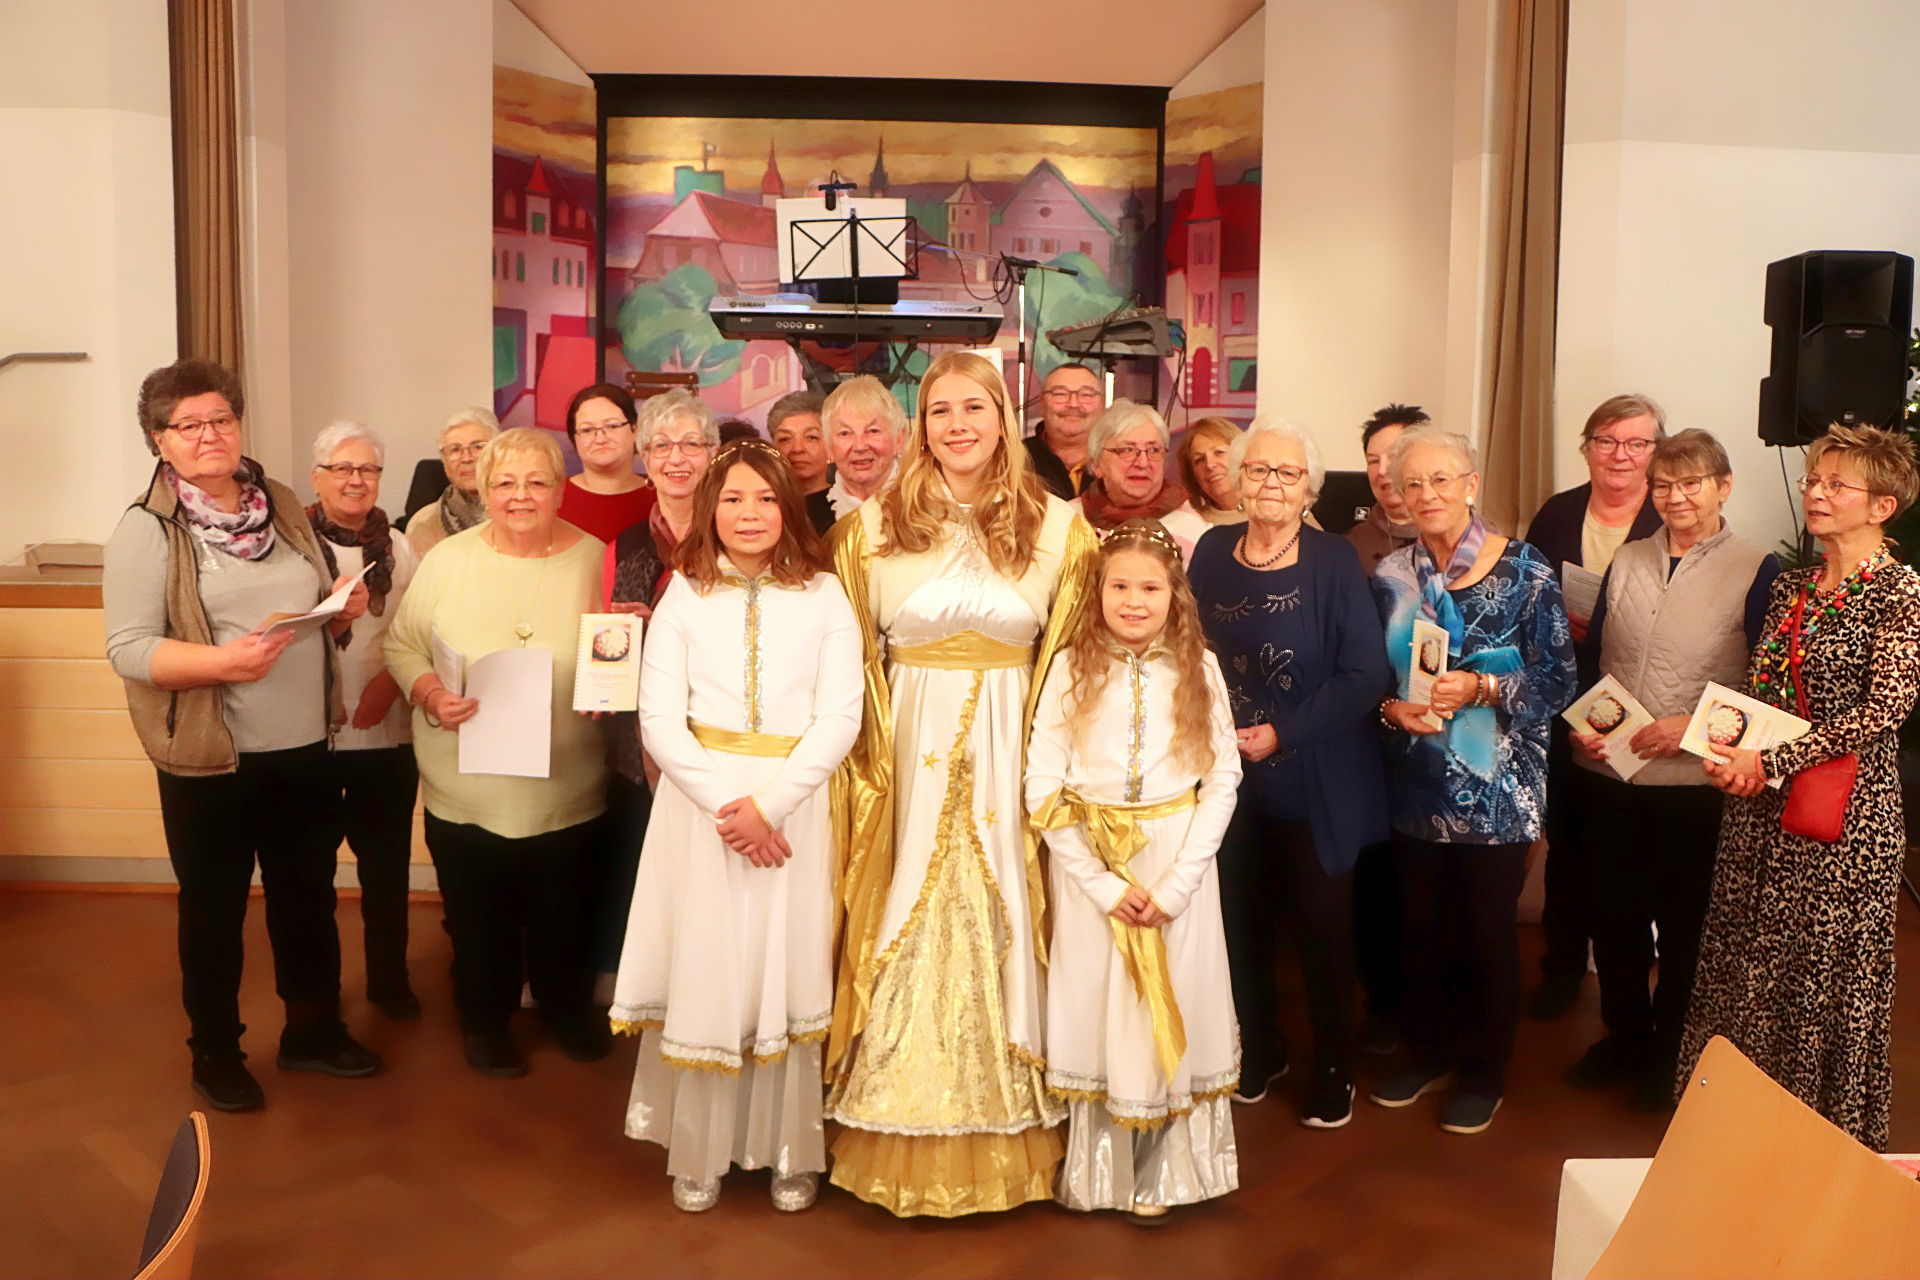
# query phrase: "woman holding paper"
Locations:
[[513, 847], [1466, 798], [1796, 961], [1286, 609], [1678, 610], [751, 694], [236, 722]]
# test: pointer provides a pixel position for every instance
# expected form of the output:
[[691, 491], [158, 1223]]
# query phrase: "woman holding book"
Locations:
[[514, 854], [1676, 611], [1466, 797], [1796, 962]]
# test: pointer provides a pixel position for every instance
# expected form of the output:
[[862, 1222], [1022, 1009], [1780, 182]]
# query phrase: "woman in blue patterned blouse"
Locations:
[[1467, 798]]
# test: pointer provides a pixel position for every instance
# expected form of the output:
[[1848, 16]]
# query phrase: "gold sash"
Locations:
[[742, 744], [1114, 832], [965, 651]]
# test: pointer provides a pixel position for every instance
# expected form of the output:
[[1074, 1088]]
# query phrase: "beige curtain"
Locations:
[[206, 179], [1525, 257]]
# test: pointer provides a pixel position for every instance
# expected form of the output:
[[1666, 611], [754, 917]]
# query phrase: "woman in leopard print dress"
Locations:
[[1796, 965]]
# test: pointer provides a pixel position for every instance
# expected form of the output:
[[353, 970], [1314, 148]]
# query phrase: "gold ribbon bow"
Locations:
[[1114, 832]]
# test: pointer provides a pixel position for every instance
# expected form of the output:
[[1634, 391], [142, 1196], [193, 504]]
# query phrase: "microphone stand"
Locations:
[[1018, 268]]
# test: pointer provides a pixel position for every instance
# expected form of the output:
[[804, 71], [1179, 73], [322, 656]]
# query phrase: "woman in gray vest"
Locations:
[[1677, 610]]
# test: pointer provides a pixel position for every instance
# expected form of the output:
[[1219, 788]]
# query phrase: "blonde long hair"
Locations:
[[1011, 505], [1090, 654]]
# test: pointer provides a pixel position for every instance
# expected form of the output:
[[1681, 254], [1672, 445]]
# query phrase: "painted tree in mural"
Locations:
[[1055, 300], [664, 325]]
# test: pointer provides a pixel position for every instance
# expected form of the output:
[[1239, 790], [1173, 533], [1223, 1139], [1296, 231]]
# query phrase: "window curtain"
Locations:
[[1526, 261], [206, 179]]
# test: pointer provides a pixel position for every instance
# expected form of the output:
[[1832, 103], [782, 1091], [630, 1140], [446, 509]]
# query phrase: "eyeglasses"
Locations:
[[1260, 473], [1128, 452], [226, 424], [587, 430], [1066, 395], [1440, 483], [667, 448], [347, 471], [1686, 485], [1814, 486], [1633, 448], [535, 487], [463, 450]]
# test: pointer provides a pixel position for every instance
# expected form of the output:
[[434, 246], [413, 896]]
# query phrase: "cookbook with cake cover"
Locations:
[[1725, 719], [1614, 715], [1430, 644], [606, 676]]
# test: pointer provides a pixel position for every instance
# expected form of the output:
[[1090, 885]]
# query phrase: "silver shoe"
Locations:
[[793, 1192], [695, 1197]]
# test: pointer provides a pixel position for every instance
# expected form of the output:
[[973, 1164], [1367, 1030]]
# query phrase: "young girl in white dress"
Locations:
[[750, 694], [1132, 775]]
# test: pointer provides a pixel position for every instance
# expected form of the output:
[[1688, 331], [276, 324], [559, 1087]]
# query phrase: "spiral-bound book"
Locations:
[[607, 675]]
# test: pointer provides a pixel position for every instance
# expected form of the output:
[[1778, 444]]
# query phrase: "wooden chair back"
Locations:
[[643, 385], [173, 1228]]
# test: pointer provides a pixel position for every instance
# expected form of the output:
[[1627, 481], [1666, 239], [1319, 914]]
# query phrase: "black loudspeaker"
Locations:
[[1840, 320], [1343, 502]]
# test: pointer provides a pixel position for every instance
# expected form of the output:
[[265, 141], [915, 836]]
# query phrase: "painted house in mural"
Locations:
[[1213, 288], [543, 266]]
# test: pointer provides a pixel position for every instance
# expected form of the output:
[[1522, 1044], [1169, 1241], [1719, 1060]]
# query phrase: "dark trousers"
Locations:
[[1266, 865], [1462, 955], [1651, 862], [378, 786], [277, 808], [1564, 914], [629, 805], [1376, 927], [512, 903]]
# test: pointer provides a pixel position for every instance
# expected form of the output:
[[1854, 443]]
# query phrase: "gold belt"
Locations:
[[966, 651], [1113, 830], [736, 743]]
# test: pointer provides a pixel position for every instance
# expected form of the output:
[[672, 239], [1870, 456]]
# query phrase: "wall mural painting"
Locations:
[[545, 194], [1212, 216], [690, 215]]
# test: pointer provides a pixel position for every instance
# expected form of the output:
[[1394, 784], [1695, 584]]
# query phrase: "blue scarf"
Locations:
[[1435, 601]]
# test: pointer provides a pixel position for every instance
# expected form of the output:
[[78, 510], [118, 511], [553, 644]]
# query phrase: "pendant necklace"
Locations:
[[522, 627]]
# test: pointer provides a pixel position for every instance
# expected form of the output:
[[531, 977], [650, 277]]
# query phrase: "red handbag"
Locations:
[[1817, 797]]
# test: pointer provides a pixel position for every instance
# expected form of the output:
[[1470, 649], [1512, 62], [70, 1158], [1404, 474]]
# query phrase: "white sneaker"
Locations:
[[695, 1197], [793, 1192]]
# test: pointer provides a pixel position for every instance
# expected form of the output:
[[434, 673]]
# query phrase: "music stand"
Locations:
[[864, 240]]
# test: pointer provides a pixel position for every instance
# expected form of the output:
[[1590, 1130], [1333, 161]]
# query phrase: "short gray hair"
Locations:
[[868, 393], [471, 416], [1279, 429], [792, 405], [343, 431], [519, 440], [1122, 416], [1440, 438], [657, 413]]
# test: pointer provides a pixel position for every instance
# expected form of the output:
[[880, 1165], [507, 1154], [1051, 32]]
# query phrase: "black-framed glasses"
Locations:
[[196, 429], [1687, 486], [348, 470]]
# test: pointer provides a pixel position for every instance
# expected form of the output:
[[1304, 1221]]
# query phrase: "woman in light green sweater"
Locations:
[[513, 854]]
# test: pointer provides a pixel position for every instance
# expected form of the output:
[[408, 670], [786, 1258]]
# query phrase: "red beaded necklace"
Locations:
[[1782, 652]]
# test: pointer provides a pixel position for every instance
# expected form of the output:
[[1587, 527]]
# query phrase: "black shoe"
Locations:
[[1330, 1105], [1653, 1091], [1409, 1085], [1554, 997], [586, 1038], [1609, 1061], [493, 1054], [1380, 1036], [332, 1053], [398, 1003], [1469, 1113], [224, 1081], [1256, 1077]]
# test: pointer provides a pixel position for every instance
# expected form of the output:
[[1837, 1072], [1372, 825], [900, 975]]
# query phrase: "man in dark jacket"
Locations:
[[1071, 397]]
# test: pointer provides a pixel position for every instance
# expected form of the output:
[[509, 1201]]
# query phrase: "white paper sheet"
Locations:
[[1581, 588], [1610, 711], [606, 674], [448, 663], [303, 624], [1429, 663], [512, 732]]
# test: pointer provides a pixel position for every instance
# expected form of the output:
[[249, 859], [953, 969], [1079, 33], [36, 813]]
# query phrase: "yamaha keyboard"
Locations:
[[802, 319]]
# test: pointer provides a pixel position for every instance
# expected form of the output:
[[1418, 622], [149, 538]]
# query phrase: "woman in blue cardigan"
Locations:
[[1287, 609]]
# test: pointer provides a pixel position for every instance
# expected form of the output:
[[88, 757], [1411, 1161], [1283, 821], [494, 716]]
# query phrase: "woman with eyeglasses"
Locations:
[[1466, 770], [1286, 609], [1796, 961], [236, 721], [1127, 454], [373, 751], [1677, 610], [460, 506], [515, 855], [1585, 526], [608, 497]]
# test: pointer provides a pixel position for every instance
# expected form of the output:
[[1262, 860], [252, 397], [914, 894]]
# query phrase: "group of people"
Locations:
[[970, 774]]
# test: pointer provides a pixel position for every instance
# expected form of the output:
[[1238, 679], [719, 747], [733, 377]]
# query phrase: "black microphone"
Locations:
[[833, 184]]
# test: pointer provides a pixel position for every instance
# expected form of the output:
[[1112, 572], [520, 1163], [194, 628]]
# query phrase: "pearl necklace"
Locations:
[[1270, 560]]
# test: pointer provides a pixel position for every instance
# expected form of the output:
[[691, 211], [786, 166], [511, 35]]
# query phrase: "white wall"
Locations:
[[519, 44], [87, 222], [1355, 229], [1240, 59], [1705, 140]]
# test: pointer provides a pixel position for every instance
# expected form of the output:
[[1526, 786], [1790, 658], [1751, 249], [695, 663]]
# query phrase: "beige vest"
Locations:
[[1664, 639]]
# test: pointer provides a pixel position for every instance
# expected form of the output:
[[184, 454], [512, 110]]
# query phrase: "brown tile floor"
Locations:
[[430, 1170]]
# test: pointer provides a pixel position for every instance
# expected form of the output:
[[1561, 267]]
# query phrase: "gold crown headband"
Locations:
[[1150, 531], [732, 451]]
